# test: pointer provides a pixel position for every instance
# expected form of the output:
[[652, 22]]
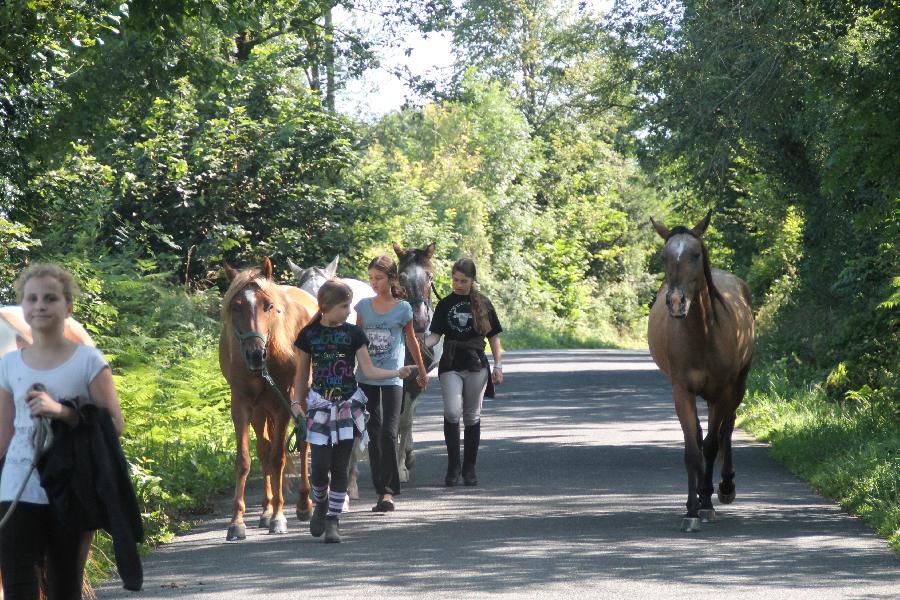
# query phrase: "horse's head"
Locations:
[[416, 274], [687, 266], [312, 278], [250, 310]]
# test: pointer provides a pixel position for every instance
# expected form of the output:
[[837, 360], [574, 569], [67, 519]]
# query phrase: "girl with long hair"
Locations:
[[465, 318], [387, 320]]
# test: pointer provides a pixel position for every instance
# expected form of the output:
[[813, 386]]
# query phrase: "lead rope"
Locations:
[[298, 435], [41, 440]]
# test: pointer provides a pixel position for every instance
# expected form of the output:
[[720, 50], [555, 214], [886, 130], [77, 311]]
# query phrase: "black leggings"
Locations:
[[32, 540], [384, 405], [333, 460]]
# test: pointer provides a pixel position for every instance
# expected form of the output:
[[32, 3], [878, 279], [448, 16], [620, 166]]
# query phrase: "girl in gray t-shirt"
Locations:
[[387, 321], [32, 538]]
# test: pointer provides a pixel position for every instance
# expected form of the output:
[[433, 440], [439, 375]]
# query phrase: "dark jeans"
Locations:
[[384, 405], [333, 460], [32, 540]]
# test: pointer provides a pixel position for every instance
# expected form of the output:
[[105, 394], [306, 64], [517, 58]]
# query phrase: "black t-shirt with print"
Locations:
[[454, 320], [333, 356]]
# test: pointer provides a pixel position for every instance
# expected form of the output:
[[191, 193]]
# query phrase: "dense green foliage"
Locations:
[[144, 142]]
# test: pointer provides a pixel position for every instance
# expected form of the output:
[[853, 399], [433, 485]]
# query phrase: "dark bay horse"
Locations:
[[416, 275], [260, 321], [701, 335]]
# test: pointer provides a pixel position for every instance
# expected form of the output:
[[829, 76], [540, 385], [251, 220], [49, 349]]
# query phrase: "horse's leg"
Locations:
[[710, 451], [241, 419], [278, 433], [352, 484], [304, 506], [686, 409], [264, 454], [727, 490], [405, 450]]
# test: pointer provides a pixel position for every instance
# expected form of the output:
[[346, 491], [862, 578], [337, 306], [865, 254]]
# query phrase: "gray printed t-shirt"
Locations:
[[387, 346], [68, 381]]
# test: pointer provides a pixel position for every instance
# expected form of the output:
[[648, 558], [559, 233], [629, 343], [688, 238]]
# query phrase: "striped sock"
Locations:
[[319, 494], [336, 503]]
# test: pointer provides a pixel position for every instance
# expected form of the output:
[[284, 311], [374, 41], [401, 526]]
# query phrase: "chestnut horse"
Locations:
[[701, 336], [260, 321]]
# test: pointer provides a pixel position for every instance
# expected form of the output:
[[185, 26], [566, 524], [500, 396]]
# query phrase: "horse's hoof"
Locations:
[[727, 498], [279, 525], [690, 524], [353, 491], [707, 515], [265, 521], [347, 503], [236, 532], [304, 514]]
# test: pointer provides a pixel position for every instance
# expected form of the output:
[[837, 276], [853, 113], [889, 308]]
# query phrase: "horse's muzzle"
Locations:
[[677, 304], [255, 359]]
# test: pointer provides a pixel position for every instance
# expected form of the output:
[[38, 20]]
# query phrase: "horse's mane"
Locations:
[[707, 270], [281, 340]]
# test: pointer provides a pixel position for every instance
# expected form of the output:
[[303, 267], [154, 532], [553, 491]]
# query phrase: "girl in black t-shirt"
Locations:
[[465, 318], [336, 407]]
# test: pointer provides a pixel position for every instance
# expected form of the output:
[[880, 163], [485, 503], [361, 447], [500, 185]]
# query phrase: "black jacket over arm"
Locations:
[[86, 479]]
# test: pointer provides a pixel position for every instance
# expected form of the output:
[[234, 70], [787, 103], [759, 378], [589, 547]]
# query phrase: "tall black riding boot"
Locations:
[[451, 438], [470, 453]]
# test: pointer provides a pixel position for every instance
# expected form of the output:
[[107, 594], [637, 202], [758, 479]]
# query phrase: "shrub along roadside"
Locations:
[[848, 451]]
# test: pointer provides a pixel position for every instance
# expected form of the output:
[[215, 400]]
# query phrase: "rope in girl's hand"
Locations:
[[298, 435], [41, 440]]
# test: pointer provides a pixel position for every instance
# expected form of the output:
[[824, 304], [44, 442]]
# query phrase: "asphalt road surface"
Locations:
[[582, 488]]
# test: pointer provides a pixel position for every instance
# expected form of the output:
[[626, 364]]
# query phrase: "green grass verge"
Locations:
[[847, 451]]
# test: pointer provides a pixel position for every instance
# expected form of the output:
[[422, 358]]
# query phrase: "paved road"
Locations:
[[581, 495]]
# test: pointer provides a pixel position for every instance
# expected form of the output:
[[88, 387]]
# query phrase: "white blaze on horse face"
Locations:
[[679, 249]]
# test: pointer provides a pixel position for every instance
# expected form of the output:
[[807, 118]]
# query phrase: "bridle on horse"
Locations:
[[298, 434]]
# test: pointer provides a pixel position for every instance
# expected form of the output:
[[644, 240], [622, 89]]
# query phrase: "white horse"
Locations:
[[310, 280]]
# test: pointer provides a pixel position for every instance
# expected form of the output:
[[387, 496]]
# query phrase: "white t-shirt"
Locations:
[[70, 380]]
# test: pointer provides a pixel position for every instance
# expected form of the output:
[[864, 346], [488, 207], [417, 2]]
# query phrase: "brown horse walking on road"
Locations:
[[701, 336], [260, 321]]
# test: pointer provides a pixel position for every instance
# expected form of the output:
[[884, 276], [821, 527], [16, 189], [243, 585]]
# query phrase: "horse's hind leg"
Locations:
[[405, 458], [710, 451], [727, 490], [304, 505], [352, 482]]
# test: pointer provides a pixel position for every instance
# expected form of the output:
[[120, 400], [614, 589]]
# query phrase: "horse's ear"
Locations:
[[399, 250], [230, 272], [700, 228], [429, 250], [331, 269], [661, 229], [297, 271], [267, 268]]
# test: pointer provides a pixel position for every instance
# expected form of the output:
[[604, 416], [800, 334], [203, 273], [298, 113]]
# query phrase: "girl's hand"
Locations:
[[40, 404], [422, 380], [497, 376]]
